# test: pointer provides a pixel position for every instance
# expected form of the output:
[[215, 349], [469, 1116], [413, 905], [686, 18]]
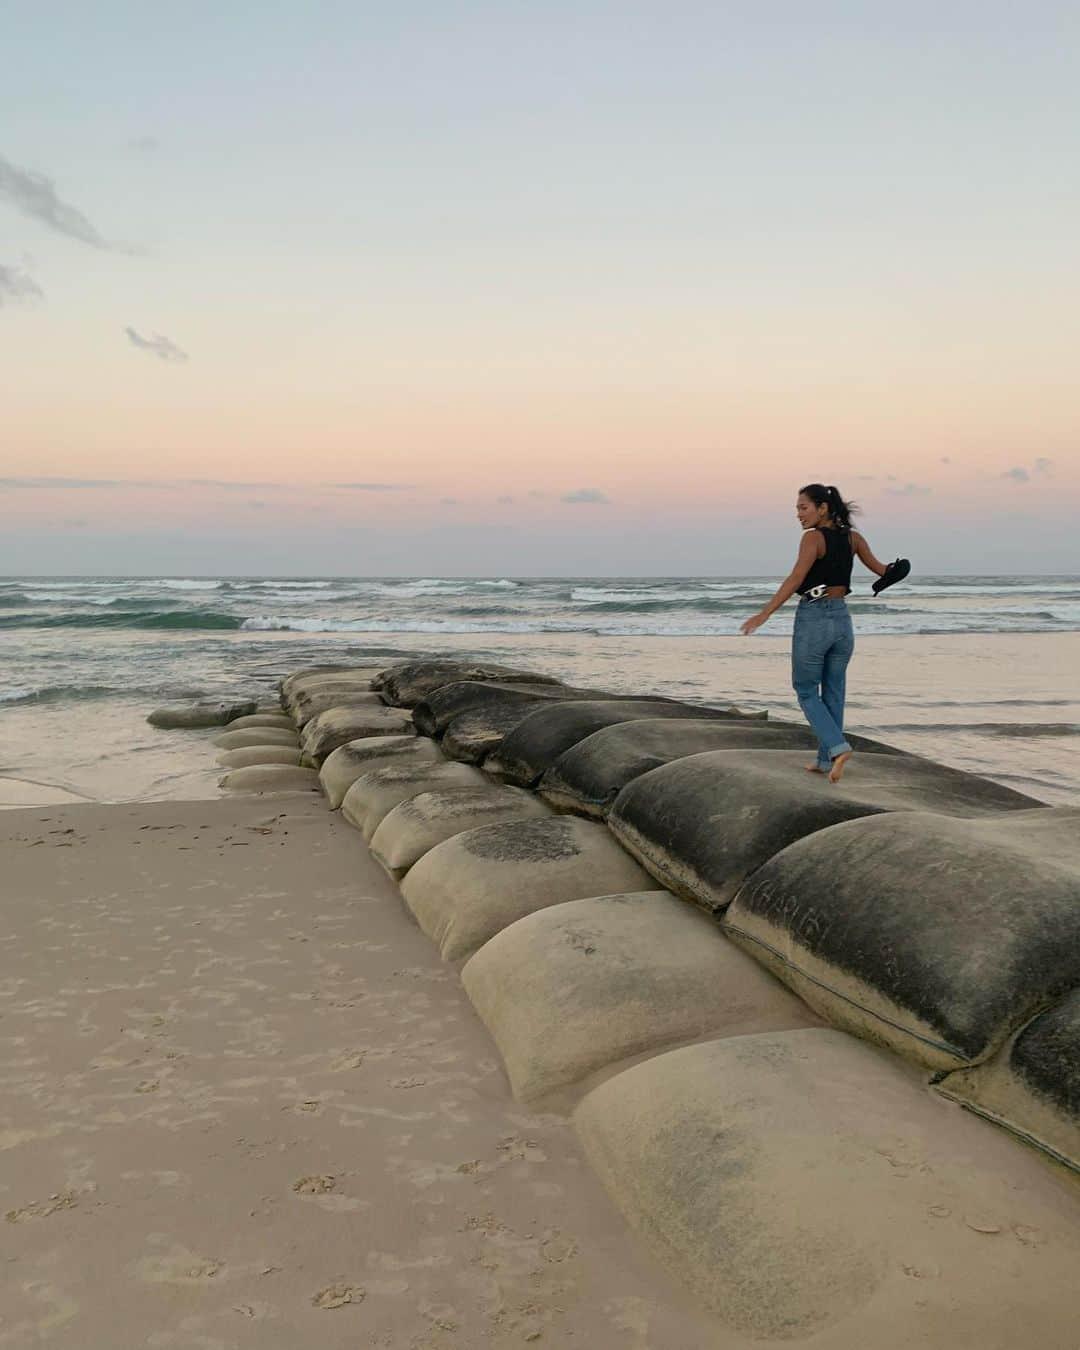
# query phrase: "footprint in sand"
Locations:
[[338, 1295], [314, 1185]]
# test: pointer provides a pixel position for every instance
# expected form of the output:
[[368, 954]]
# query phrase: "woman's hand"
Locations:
[[753, 623]]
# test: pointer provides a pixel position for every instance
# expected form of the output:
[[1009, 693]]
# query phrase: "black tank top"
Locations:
[[834, 569]]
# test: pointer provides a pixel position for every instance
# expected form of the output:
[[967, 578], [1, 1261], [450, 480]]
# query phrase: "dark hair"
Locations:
[[840, 510]]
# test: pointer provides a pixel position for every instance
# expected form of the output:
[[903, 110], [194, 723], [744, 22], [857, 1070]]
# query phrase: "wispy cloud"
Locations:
[[160, 346], [1040, 467], [448, 501], [375, 487], [504, 501], [590, 496], [35, 196], [910, 490], [18, 286], [146, 145], [163, 484]]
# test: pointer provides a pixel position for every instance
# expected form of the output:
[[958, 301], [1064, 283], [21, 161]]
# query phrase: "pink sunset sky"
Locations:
[[538, 289]]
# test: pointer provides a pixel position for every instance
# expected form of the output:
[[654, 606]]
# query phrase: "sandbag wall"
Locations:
[[549, 837]]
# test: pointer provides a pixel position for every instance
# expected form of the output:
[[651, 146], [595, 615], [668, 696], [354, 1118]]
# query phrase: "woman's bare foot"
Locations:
[[814, 768], [839, 764]]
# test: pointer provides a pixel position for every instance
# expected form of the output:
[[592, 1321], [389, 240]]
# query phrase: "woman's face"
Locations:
[[810, 514]]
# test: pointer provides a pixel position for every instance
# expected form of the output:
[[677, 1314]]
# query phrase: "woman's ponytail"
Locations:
[[840, 510]]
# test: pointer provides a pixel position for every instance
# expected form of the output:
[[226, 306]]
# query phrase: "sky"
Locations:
[[559, 288]]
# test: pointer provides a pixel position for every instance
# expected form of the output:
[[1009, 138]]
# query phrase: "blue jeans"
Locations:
[[821, 647]]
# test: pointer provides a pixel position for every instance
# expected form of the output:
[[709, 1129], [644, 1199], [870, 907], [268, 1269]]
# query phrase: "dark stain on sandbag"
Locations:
[[523, 841]]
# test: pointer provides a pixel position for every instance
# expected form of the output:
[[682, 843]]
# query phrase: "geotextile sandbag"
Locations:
[[307, 706], [474, 885], [343, 766], [703, 823], [406, 684], [1032, 1087], [271, 778], [939, 937], [572, 990], [352, 677], [417, 825], [434, 713], [589, 776], [206, 714], [375, 794], [237, 740], [263, 719], [526, 754], [306, 674], [808, 1188], [246, 756], [337, 726]]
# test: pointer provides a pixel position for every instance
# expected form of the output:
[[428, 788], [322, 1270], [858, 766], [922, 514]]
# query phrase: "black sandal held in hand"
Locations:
[[894, 572]]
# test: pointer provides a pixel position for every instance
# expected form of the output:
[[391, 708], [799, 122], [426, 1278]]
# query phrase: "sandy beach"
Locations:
[[247, 1105]]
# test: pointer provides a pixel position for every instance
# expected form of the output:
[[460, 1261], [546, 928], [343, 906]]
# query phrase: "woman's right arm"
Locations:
[[865, 555]]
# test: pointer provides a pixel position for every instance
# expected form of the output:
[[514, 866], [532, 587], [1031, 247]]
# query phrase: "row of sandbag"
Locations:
[[942, 920], [798, 1179]]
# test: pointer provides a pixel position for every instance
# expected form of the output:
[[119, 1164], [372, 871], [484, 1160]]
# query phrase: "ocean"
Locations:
[[979, 672]]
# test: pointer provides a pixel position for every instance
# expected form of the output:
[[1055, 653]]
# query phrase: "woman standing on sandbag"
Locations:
[[824, 640]]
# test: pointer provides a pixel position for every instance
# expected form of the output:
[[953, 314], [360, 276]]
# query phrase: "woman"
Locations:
[[823, 640]]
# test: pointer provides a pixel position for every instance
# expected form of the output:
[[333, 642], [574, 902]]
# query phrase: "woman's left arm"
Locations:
[[795, 578]]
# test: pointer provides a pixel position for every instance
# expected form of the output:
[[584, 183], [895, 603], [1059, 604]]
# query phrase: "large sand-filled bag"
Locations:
[[271, 778], [592, 773], [405, 685], [434, 713], [589, 776], [1033, 1086], [237, 740], [575, 989], [531, 748], [248, 755], [352, 677], [938, 937], [343, 766], [189, 715], [375, 793], [310, 705], [307, 673], [803, 1183], [337, 726], [263, 719], [468, 889], [474, 735], [420, 823], [702, 824]]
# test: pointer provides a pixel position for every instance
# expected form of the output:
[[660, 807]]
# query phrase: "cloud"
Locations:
[[538, 495], [591, 496], [75, 523], [1043, 465], [17, 285], [1018, 475], [375, 487], [35, 196], [946, 459], [165, 484], [162, 347], [449, 501], [144, 144], [910, 490], [504, 501]]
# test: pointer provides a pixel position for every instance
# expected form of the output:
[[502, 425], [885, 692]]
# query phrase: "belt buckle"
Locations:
[[817, 592]]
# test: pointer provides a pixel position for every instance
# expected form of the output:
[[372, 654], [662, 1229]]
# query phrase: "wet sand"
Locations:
[[246, 1105]]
